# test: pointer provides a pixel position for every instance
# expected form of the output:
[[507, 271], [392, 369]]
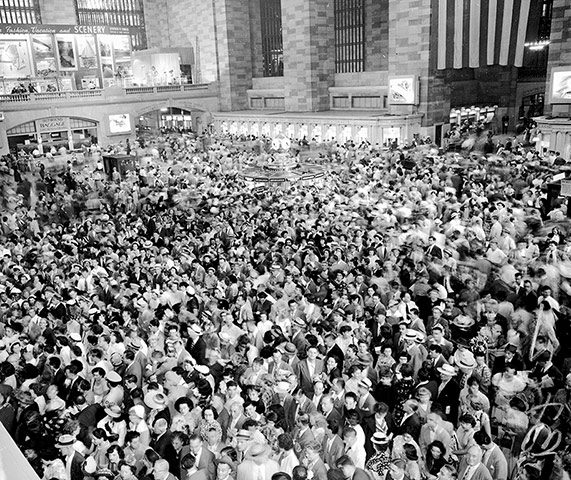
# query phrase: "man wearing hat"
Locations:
[[366, 403], [411, 347], [158, 404], [73, 460], [448, 392], [258, 465]]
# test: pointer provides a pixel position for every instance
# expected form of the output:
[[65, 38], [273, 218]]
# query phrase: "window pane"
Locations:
[[19, 11]]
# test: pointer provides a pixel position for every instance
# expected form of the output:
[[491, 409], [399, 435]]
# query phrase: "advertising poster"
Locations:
[[43, 48], [119, 123], [15, 59], [402, 90], [66, 52], [561, 86], [87, 52]]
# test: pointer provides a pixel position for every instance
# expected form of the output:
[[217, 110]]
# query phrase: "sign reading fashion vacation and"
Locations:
[[61, 29], [51, 124]]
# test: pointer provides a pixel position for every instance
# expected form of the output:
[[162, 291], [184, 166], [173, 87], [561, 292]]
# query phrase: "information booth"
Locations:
[[123, 163]]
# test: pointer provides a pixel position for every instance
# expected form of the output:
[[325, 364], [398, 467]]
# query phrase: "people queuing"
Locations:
[[405, 318]]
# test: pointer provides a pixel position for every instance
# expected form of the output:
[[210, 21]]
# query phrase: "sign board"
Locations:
[[560, 89], [566, 188], [51, 124], [119, 123], [60, 29], [403, 90]]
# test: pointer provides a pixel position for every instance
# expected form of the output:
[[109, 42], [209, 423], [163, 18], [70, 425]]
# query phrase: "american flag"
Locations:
[[476, 33]]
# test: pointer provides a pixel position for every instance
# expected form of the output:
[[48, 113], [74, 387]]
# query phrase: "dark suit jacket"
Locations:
[[88, 419], [368, 407], [76, 464], [411, 425], [448, 399], [305, 380], [161, 444]]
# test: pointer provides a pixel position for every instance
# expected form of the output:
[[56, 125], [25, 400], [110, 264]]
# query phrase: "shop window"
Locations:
[[115, 13], [20, 12], [272, 40], [349, 36], [277, 103]]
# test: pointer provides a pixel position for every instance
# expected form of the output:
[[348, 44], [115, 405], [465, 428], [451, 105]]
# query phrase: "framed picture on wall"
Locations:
[[43, 48], [67, 55], [15, 60], [87, 52]]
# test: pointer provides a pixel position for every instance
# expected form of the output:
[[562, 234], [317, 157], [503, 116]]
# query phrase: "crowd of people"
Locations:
[[405, 319]]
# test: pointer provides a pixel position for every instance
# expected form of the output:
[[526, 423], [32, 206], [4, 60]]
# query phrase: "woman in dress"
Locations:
[[379, 462], [185, 420]]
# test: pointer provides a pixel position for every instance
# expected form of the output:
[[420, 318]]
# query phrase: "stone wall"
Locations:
[[309, 54], [411, 41], [56, 12], [232, 19], [376, 35], [185, 24]]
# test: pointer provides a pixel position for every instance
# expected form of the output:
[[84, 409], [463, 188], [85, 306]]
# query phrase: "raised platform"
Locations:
[[356, 125], [554, 133]]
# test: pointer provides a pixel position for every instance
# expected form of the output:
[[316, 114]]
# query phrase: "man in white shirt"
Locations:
[[288, 459], [353, 449]]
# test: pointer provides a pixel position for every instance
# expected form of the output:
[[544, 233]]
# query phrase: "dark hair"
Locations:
[[482, 438], [151, 455], [285, 441], [118, 449], [343, 461], [188, 461], [410, 452]]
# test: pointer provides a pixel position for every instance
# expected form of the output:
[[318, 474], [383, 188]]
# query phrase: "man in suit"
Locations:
[[161, 470], [307, 369], [161, 443], [366, 403], [314, 463], [333, 350], [73, 390], [448, 392], [204, 458], [433, 430], [333, 447], [73, 460], [350, 471], [302, 434], [494, 459], [410, 423], [258, 465], [471, 465], [329, 411], [277, 365]]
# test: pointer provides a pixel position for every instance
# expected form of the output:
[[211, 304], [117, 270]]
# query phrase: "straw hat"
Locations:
[[447, 369], [379, 438], [155, 400], [464, 359]]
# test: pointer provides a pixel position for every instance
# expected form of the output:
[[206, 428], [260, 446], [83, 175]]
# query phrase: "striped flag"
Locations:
[[476, 33]]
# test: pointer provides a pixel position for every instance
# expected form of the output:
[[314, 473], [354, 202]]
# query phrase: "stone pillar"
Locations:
[[56, 12], [234, 53], [412, 51], [309, 54]]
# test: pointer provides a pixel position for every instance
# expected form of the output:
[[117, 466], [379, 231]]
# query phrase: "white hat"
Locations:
[[138, 410], [447, 369], [113, 376]]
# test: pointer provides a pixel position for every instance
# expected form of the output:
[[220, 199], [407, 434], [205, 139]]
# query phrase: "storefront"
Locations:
[[44, 58], [45, 134], [472, 115]]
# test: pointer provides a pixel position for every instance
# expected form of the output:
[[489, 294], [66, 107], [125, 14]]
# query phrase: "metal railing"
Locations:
[[97, 93]]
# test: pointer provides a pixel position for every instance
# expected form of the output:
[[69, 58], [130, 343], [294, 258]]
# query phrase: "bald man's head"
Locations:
[[474, 455]]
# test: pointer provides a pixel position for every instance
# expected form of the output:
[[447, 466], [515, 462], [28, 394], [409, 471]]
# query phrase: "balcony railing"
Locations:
[[98, 93]]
